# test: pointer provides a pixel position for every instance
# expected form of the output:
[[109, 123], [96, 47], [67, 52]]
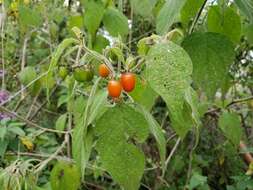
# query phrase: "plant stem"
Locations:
[[197, 17]]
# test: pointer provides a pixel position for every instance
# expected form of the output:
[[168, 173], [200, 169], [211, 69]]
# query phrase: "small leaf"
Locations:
[[100, 43], [27, 75], [230, 125], [61, 122], [168, 14], [115, 22], [16, 130], [197, 180], [65, 176]]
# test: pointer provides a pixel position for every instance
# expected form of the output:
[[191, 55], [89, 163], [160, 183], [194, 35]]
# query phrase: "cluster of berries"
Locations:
[[114, 87]]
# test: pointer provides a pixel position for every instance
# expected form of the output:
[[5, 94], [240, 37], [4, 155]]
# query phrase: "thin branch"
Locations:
[[172, 152], [53, 156], [239, 101], [28, 122]]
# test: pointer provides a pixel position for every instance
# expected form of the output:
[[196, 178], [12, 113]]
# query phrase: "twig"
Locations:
[[2, 45], [239, 101], [172, 152], [38, 155], [197, 17], [53, 156], [44, 103], [28, 122], [68, 136], [21, 90], [32, 105], [23, 60]]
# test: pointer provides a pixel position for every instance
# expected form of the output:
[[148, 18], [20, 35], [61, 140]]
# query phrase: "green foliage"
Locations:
[[230, 125], [189, 10], [144, 7], [143, 94], [246, 7], [211, 54], [224, 21], [61, 122], [65, 176], [122, 160], [115, 22], [168, 15], [168, 71], [94, 12]]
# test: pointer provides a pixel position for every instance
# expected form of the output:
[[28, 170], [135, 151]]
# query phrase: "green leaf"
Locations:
[[75, 21], [143, 7], [3, 131], [29, 17], [189, 10], [157, 132], [143, 94], [115, 22], [27, 75], [16, 130], [197, 180], [65, 176], [168, 14], [246, 7], [100, 43], [3, 146], [224, 21], [248, 31], [61, 122], [230, 125], [98, 107], [168, 72], [211, 54], [93, 15], [82, 137], [122, 160], [54, 61]]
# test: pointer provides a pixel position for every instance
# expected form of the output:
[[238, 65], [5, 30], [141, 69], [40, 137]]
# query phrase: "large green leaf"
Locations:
[[115, 22], [211, 54], [65, 176], [246, 6], [230, 125], [168, 14], [189, 10], [93, 15], [168, 72], [225, 21], [115, 130], [143, 7]]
